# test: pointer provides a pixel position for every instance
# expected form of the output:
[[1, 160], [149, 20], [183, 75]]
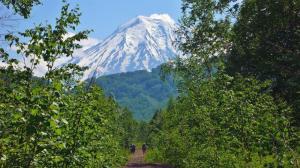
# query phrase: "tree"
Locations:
[[265, 44], [203, 36], [22, 7], [222, 120], [55, 121], [227, 122]]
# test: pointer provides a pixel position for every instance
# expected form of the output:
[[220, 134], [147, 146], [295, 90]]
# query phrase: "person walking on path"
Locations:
[[132, 148], [144, 148]]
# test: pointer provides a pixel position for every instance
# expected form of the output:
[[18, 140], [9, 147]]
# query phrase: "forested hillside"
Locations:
[[142, 92]]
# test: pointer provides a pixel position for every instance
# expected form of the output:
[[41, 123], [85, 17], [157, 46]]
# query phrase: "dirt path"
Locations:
[[137, 161]]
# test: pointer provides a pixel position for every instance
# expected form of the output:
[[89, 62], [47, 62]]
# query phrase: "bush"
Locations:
[[227, 121]]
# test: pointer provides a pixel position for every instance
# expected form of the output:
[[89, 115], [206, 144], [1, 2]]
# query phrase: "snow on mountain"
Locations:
[[143, 43]]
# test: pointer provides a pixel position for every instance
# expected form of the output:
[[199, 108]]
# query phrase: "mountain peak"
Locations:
[[156, 16], [142, 43], [164, 16], [148, 21]]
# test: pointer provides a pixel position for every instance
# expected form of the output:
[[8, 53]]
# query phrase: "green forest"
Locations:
[[237, 101], [142, 92]]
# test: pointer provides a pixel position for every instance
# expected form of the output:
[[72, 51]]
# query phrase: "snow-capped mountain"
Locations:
[[142, 43]]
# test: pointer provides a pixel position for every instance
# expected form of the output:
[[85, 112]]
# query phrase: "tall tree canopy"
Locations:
[[204, 35], [266, 44]]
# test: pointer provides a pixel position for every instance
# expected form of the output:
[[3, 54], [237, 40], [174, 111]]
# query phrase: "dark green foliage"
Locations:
[[266, 45], [130, 128], [141, 92]]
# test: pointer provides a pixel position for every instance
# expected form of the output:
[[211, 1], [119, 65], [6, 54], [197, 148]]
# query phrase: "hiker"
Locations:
[[144, 148], [132, 148]]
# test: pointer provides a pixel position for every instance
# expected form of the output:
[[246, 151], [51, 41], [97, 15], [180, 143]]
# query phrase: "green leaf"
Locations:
[[34, 112]]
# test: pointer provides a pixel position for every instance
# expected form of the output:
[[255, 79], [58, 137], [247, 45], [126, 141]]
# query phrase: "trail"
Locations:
[[137, 161]]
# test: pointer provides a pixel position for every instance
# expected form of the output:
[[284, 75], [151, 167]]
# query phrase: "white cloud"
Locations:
[[2, 64], [13, 48], [86, 43], [41, 69]]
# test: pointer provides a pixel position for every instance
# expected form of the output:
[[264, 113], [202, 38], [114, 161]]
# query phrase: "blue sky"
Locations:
[[103, 16]]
